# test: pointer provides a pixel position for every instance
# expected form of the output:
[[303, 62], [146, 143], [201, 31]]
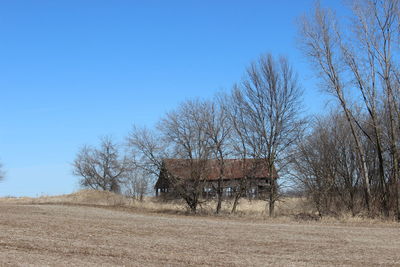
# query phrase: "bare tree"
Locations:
[[269, 103], [239, 142], [314, 169], [218, 131], [184, 130], [147, 150], [101, 168], [182, 134], [137, 184]]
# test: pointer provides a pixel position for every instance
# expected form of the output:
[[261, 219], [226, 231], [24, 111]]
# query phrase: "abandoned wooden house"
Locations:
[[252, 177]]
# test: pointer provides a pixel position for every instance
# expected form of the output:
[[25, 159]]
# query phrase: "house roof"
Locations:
[[233, 168]]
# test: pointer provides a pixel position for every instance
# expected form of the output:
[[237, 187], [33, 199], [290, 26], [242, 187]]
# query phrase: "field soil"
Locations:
[[86, 235]]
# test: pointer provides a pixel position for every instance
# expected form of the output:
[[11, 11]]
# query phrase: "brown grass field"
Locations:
[[99, 229]]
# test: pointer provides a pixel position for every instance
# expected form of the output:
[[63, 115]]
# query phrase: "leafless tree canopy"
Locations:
[[184, 130], [101, 168], [265, 111], [147, 149]]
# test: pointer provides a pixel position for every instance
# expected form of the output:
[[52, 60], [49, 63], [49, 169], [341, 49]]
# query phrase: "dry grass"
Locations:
[[287, 210], [89, 197], [68, 235], [246, 208]]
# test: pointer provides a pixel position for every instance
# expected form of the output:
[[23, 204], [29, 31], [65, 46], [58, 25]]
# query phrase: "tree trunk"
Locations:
[[272, 198], [235, 203], [395, 156], [241, 188], [219, 196], [382, 181]]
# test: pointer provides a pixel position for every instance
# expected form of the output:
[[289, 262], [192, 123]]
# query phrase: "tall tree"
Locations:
[[269, 98]]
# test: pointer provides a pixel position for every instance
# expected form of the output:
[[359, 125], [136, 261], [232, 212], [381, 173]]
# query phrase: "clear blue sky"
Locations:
[[71, 71]]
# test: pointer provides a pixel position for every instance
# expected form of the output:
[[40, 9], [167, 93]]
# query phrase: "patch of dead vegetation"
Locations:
[[291, 209]]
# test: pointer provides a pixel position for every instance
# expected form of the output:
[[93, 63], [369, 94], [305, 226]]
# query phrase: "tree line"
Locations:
[[343, 161], [352, 155]]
